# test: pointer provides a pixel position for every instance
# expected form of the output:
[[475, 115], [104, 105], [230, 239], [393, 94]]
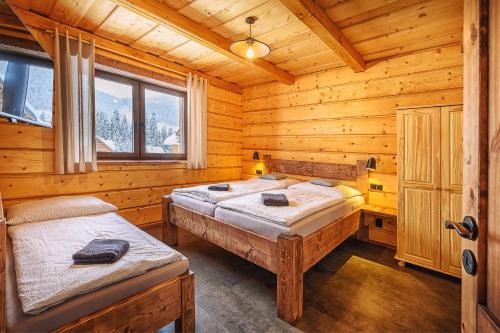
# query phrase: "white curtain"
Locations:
[[197, 122], [74, 101]]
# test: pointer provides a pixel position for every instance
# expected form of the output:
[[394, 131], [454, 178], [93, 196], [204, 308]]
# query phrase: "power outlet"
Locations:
[[258, 172], [377, 187], [379, 223]]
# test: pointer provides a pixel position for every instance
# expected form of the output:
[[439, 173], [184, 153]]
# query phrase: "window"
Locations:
[[26, 85], [138, 120]]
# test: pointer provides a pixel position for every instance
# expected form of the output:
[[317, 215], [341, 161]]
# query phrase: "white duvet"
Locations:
[[236, 189], [43, 251], [301, 204]]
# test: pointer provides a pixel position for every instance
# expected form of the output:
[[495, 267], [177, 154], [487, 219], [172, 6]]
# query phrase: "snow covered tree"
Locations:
[[114, 130], [151, 125], [163, 136], [125, 137], [101, 125]]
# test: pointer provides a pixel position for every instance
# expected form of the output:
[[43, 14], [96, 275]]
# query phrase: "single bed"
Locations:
[[286, 251], [138, 294], [203, 201]]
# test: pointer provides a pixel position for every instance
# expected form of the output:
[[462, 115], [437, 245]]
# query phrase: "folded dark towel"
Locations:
[[219, 187], [101, 251], [271, 199]]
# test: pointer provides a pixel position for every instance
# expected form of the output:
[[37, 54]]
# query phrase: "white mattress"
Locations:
[[301, 204], [303, 227], [202, 207], [46, 275]]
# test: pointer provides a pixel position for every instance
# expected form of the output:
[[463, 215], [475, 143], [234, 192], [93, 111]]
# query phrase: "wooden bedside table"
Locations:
[[382, 224]]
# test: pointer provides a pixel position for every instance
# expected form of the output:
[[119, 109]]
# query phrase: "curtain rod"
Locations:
[[70, 37]]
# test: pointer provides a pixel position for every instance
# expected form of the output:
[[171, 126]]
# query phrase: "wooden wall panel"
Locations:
[[27, 165], [341, 116]]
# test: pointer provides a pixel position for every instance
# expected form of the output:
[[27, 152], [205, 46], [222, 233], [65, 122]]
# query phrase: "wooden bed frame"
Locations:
[[147, 311], [290, 256]]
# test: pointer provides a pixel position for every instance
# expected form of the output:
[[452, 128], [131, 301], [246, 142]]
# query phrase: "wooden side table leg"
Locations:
[[363, 234]]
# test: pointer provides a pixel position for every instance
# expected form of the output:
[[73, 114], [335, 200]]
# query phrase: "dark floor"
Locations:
[[357, 288]]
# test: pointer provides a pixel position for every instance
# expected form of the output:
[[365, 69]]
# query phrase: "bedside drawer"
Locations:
[[381, 229]]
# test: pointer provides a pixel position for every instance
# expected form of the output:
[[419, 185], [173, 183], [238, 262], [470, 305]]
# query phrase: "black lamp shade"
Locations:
[[256, 156], [371, 164]]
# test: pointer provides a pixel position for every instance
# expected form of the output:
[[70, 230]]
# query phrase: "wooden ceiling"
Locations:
[[377, 29]]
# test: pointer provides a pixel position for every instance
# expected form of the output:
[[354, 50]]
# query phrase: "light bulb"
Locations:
[[250, 53]]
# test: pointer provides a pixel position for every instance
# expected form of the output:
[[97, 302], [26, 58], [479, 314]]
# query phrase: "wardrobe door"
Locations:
[[419, 186], [451, 184], [451, 209]]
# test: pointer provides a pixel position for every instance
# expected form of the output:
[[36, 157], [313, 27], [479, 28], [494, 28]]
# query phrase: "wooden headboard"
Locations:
[[355, 175]]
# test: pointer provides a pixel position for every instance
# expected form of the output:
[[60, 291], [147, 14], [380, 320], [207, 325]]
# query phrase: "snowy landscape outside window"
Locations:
[[26, 89], [138, 120]]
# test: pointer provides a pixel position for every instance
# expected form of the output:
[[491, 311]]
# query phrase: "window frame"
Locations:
[[38, 61], [183, 122], [139, 114], [135, 155]]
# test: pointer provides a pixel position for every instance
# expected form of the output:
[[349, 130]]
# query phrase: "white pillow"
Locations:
[[57, 208], [325, 182], [346, 191], [289, 181], [273, 176]]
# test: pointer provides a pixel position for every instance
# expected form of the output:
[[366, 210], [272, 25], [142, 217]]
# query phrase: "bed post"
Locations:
[[186, 323], [289, 280], [3, 254], [169, 230]]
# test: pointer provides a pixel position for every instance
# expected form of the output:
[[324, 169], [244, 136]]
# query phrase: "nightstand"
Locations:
[[382, 224]]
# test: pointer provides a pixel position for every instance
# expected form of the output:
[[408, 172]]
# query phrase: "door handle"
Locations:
[[465, 229]]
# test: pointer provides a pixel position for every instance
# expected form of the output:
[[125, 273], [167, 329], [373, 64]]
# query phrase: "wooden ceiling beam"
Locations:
[[168, 16], [313, 16], [38, 25]]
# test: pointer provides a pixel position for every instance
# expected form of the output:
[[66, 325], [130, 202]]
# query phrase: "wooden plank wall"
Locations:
[[341, 116], [27, 165]]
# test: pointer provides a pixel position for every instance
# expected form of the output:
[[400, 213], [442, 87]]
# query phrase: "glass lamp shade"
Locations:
[[250, 48]]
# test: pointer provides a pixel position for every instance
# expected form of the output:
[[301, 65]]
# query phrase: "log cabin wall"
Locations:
[[341, 116], [27, 166]]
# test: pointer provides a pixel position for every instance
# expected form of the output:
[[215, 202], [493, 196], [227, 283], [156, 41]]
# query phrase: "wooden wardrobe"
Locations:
[[429, 186]]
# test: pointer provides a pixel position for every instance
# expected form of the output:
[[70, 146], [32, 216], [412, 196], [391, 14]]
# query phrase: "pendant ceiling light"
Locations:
[[250, 47]]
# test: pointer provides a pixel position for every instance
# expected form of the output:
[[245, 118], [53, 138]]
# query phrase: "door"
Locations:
[[481, 177], [451, 186], [419, 195]]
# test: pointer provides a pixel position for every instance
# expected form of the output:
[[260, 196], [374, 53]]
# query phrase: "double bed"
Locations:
[[284, 240], [44, 291]]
